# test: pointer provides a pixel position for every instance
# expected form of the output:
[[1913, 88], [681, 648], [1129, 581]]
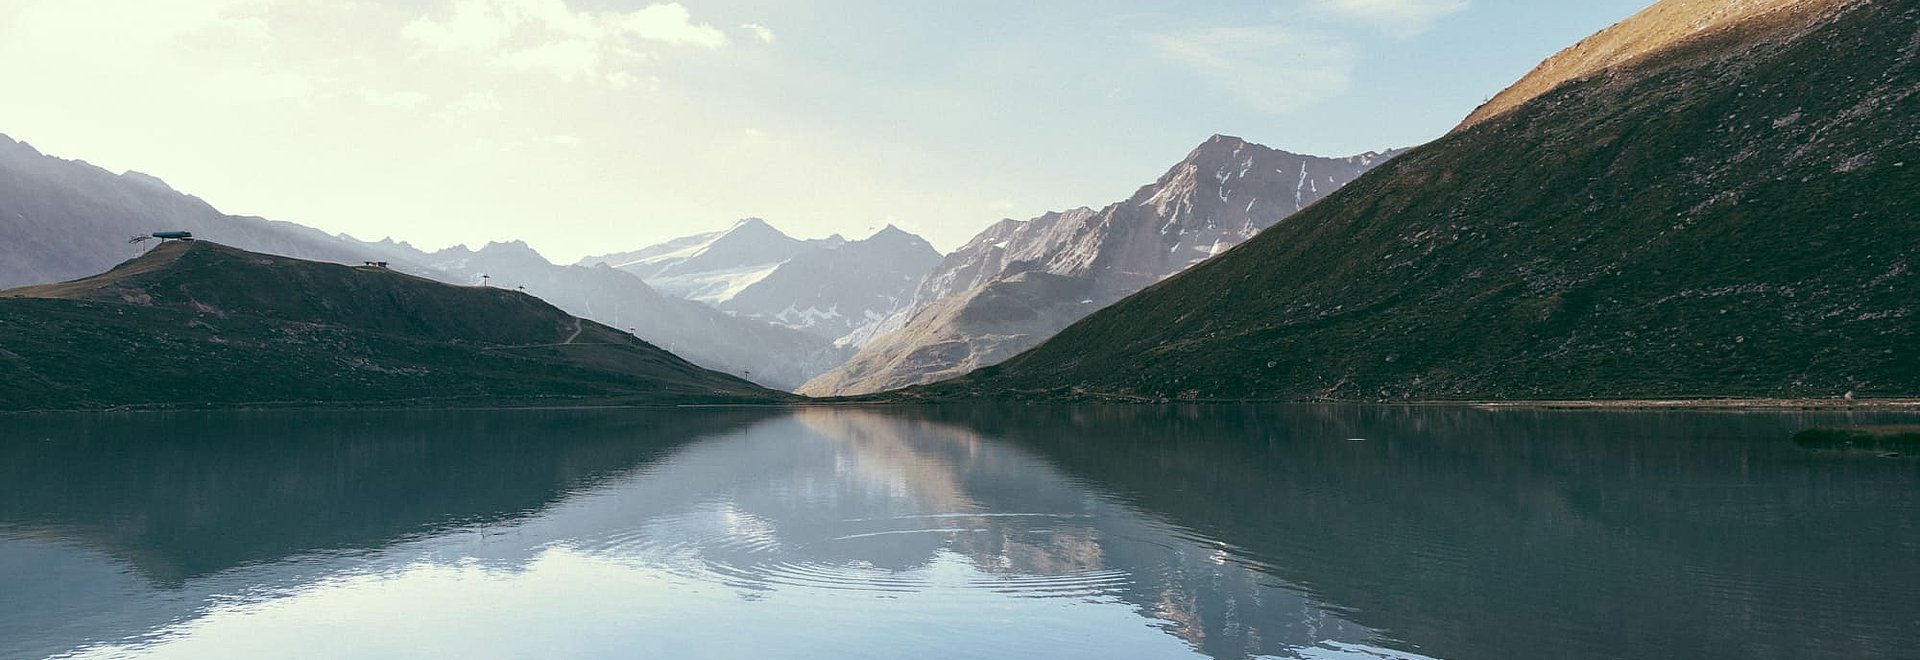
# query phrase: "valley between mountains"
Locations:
[[1711, 199]]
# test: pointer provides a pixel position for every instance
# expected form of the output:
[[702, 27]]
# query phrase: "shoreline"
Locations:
[[1707, 404], [1622, 405]]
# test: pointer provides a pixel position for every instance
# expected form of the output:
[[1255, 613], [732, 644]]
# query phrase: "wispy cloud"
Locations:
[[761, 32], [1275, 69], [1398, 17], [548, 36]]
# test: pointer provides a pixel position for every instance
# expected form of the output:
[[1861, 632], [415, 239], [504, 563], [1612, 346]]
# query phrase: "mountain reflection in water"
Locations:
[[1318, 532]]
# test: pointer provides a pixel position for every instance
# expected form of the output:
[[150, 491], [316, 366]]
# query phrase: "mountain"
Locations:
[[1017, 283], [765, 353], [834, 290], [712, 267], [195, 323], [1734, 212], [1653, 29], [66, 219], [828, 287]]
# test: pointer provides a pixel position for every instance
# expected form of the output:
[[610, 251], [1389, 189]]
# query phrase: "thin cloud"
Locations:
[[1398, 17], [403, 100], [761, 32], [550, 37], [1272, 68]]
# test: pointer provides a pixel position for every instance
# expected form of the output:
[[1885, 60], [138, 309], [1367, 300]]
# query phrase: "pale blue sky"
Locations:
[[588, 126]]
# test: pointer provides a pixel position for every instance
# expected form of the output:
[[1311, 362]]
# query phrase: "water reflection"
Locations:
[[1316, 532], [1529, 534]]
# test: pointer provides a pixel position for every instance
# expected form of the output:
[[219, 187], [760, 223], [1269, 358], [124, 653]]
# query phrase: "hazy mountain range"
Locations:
[[829, 287], [750, 300], [68, 219]]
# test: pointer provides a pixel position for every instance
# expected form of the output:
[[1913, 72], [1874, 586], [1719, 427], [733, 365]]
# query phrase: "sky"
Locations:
[[593, 126]]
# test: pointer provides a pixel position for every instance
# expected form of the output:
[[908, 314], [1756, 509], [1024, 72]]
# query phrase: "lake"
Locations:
[[969, 532]]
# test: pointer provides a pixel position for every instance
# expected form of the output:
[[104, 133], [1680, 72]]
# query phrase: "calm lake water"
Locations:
[[1008, 532]]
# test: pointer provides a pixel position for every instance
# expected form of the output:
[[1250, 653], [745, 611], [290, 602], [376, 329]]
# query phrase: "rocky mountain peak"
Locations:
[[148, 180], [1017, 282], [755, 227], [7, 143], [509, 254], [509, 247], [1218, 148], [894, 236]]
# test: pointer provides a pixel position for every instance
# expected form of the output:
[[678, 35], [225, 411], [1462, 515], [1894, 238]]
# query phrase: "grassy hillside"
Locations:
[[1737, 214], [199, 324]]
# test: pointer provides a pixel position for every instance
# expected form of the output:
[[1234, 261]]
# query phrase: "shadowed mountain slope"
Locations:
[[197, 323], [1737, 214]]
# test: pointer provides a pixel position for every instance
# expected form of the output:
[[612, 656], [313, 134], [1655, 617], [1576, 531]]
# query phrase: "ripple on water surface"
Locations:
[[1012, 553]]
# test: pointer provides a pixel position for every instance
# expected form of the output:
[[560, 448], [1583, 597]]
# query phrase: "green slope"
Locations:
[[1737, 214], [201, 324]]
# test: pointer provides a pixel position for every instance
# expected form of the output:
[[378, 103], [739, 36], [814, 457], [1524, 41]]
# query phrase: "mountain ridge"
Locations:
[[1018, 282], [195, 323], [1661, 26], [1690, 225], [68, 219], [830, 288]]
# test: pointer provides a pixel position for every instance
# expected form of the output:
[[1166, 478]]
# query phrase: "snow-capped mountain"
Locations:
[[828, 287], [713, 268], [1019, 282], [833, 290]]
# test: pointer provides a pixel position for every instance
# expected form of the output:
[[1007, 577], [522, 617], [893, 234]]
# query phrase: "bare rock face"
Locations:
[[979, 327], [1222, 194]]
